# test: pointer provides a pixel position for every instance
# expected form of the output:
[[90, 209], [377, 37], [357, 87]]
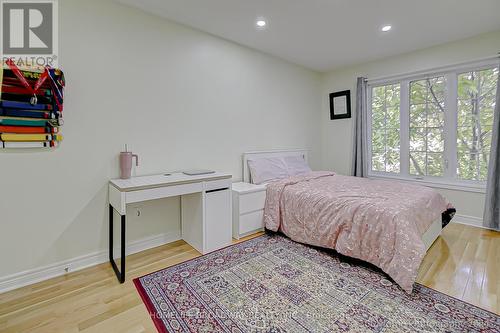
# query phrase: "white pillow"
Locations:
[[264, 170], [296, 165]]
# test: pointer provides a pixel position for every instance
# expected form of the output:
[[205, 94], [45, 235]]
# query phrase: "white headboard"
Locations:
[[267, 154]]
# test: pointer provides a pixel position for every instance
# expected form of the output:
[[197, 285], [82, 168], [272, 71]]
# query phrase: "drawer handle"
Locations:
[[218, 190]]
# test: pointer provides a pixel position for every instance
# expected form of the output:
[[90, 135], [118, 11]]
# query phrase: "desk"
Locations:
[[205, 208]]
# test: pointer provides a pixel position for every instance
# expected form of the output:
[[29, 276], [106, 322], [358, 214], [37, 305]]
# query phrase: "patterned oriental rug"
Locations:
[[272, 284]]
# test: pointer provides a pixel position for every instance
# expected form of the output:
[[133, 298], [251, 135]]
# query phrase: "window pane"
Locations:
[[466, 164], [418, 115], [392, 96], [418, 92], [378, 94], [392, 139], [465, 116], [378, 117], [435, 139], [392, 120], [386, 128], [417, 164], [476, 104], [466, 85], [427, 126], [378, 140], [435, 117], [436, 89], [486, 140], [486, 107], [464, 138], [418, 139], [378, 161], [435, 165], [392, 161], [483, 166]]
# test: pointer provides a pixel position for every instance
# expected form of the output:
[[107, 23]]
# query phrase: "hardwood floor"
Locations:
[[464, 263]]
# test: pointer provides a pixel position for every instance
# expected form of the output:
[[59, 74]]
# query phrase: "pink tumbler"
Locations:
[[126, 164]]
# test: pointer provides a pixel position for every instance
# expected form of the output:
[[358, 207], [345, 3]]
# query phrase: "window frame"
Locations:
[[450, 179]]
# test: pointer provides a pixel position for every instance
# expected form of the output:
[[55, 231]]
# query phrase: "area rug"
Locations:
[[271, 284]]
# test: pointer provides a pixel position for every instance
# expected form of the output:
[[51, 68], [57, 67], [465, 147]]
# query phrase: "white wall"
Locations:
[[180, 99], [337, 135]]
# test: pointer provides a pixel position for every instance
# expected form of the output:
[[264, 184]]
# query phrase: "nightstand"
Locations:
[[248, 208]]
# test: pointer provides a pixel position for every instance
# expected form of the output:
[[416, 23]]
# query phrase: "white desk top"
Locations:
[[143, 182]]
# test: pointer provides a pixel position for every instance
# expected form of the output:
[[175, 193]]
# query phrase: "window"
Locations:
[[385, 125], [434, 128], [476, 105], [427, 127]]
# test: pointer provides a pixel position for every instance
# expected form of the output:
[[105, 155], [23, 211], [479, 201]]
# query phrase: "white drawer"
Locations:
[[217, 184], [251, 222], [162, 192], [251, 202]]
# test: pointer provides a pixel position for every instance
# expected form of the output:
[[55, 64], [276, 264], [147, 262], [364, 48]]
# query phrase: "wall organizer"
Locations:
[[31, 106]]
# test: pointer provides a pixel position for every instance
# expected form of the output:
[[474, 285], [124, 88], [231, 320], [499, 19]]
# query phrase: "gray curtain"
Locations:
[[359, 156], [492, 207]]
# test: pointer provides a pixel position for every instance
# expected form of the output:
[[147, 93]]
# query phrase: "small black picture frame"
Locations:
[[340, 105]]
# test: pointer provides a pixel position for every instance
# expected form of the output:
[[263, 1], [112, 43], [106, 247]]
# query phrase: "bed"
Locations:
[[387, 223]]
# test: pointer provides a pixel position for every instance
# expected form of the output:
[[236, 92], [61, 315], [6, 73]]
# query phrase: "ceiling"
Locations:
[[326, 34]]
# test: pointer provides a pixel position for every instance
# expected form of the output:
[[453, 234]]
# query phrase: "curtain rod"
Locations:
[[430, 70]]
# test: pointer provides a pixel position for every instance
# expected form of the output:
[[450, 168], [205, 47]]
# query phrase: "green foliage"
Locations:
[[385, 128], [476, 104], [476, 92], [427, 126]]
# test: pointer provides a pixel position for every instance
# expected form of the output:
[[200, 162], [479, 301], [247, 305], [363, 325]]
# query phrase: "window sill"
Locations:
[[466, 187]]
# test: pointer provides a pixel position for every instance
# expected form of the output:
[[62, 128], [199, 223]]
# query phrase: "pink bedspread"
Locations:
[[381, 222]]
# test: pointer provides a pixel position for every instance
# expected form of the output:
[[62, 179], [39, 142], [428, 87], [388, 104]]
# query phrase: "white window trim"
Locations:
[[404, 128], [448, 181], [466, 186]]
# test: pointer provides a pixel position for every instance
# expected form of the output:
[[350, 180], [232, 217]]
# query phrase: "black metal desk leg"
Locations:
[[119, 275], [122, 277], [110, 233]]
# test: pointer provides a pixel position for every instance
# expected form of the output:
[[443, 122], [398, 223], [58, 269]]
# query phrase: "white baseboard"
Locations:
[[470, 220], [32, 276]]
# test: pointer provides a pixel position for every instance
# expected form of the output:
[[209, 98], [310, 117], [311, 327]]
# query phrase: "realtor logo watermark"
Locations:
[[29, 32]]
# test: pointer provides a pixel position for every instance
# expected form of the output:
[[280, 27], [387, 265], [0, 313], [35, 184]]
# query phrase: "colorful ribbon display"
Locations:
[[25, 82], [29, 137], [28, 130], [31, 122], [46, 144], [31, 106]]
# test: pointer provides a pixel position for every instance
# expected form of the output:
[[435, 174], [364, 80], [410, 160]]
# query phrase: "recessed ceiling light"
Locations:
[[386, 28], [261, 23]]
